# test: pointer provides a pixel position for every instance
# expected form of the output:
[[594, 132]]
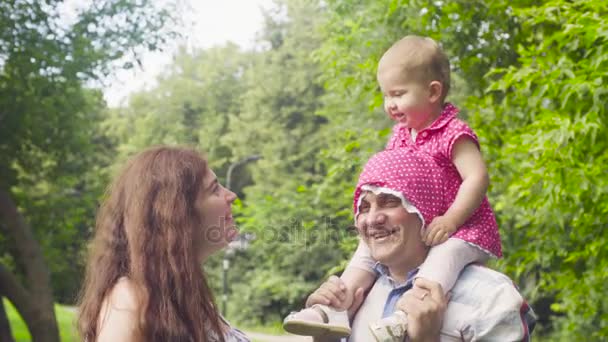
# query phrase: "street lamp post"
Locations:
[[237, 164], [240, 244]]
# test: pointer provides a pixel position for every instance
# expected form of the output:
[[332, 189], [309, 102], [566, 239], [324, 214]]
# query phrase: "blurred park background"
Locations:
[[302, 106]]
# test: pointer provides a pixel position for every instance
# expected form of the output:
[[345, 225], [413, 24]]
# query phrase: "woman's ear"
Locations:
[[435, 90]]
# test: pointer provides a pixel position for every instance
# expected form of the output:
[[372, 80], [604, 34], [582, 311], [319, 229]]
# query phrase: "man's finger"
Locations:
[[431, 235], [315, 298], [435, 290], [334, 288], [328, 297], [409, 304], [440, 237], [424, 232]]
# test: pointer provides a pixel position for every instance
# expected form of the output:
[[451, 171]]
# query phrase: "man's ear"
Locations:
[[435, 90]]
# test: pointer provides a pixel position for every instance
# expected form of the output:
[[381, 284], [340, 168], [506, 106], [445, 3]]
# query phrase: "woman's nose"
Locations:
[[230, 196]]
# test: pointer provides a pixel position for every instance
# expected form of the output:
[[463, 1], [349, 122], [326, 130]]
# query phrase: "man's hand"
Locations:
[[438, 231], [425, 306], [333, 293]]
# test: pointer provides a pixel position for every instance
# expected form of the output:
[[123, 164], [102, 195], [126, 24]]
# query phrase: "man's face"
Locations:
[[390, 231]]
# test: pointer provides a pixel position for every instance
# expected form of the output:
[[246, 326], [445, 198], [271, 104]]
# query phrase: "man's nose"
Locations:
[[375, 218]]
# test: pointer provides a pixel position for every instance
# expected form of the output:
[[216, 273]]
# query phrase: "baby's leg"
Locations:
[[445, 261], [358, 274]]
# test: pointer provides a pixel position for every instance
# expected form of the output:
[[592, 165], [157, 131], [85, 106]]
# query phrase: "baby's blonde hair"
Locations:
[[420, 58]]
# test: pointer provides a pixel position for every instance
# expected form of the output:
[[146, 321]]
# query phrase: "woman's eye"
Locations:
[[363, 209]]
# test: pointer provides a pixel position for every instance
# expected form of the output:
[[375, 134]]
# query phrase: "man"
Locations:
[[484, 304]]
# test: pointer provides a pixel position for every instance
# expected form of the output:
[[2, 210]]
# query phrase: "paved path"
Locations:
[[276, 338]]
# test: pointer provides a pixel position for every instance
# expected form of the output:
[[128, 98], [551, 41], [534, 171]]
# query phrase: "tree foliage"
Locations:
[[52, 149], [551, 187], [534, 75], [530, 76]]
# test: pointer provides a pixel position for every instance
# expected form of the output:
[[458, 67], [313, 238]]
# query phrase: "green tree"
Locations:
[[530, 75], [191, 105], [543, 120], [297, 238], [47, 132]]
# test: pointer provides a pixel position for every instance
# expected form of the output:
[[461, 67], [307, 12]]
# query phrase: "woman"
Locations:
[[162, 217]]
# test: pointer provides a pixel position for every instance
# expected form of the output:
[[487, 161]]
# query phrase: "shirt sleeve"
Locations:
[[457, 129]]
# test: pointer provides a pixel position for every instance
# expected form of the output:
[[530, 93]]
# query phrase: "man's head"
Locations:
[[414, 76], [397, 193], [390, 231]]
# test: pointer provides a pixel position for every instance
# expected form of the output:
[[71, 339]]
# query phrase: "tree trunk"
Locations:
[[5, 326], [35, 300]]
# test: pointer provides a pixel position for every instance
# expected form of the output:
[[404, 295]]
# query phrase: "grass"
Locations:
[[275, 328], [65, 318]]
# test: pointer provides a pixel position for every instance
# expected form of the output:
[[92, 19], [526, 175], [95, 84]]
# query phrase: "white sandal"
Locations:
[[390, 329], [319, 321]]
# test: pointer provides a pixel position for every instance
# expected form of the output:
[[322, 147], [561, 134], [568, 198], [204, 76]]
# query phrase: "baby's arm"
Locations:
[[469, 162], [444, 262]]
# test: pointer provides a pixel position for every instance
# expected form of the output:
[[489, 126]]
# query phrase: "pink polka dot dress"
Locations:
[[432, 152]]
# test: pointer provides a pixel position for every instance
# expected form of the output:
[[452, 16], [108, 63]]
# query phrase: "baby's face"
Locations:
[[406, 100]]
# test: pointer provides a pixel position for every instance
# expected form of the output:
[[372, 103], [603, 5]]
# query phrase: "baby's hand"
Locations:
[[438, 231]]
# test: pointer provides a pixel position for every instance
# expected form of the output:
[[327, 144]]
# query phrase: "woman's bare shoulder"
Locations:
[[118, 315], [123, 295]]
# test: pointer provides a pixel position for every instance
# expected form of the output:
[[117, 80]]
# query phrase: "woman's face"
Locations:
[[214, 204]]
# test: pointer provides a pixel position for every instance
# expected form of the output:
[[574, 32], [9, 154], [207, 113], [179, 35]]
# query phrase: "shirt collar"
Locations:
[[448, 113], [382, 271]]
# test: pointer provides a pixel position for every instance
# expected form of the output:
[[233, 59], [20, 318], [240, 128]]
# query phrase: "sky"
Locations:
[[214, 23]]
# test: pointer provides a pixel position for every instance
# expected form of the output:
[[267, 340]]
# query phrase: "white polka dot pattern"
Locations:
[[423, 171]]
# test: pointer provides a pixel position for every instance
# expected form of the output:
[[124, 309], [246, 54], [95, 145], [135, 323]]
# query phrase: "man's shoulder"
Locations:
[[491, 305], [482, 275], [481, 271], [478, 285]]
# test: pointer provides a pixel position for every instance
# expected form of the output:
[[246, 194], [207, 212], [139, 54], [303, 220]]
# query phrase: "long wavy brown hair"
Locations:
[[149, 231]]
